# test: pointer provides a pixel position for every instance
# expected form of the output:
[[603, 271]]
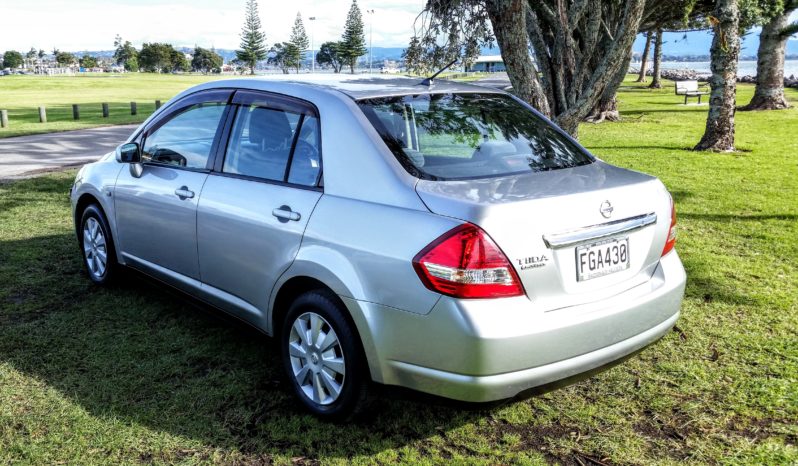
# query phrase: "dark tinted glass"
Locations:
[[262, 145], [460, 136], [306, 162]]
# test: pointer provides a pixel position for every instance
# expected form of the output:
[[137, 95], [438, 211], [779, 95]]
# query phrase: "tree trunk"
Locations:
[[644, 58], [725, 51], [584, 95], [656, 82], [509, 20], [769, 94], [607, 107]]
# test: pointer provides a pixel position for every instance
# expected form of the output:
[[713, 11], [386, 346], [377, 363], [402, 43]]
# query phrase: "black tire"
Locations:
[[111, 269], [354, 393]]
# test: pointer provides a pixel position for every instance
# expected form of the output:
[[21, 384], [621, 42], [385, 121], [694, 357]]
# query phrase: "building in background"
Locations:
[[487, 64]]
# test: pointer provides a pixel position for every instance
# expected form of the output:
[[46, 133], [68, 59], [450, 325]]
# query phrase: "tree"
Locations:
[[299, 39], [132, 64], [12, 59], [353, 42], [582, 48], [328, 55], [253, 42], [769, 93], [414, 58], [42, 53], [87, 61], [725, 51], [644, 58], [30, 57], [656, 81], [178, 61], [284, 55], [206, 61], [156, 57], [65, 58], [125, 54]]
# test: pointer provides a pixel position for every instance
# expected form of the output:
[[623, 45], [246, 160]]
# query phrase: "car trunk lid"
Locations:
[[547, 223]]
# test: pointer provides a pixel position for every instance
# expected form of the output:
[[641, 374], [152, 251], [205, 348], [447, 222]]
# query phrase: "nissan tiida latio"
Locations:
[[444, 237]]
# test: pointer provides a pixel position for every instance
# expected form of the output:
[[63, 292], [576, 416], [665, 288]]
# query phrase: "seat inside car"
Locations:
[[265, 153]]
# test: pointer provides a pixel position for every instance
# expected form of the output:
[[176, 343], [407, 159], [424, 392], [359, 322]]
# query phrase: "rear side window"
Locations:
[[186, 139], [462, 136], [274, 144]]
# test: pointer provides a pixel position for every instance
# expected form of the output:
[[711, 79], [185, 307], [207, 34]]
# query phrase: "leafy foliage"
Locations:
[[415, 58], [299, 42], [284, 55], [157, 57], [65, 58], [87, 61], [353, 42], [206, 61], [12, 59], [329, 55], [298, 35], [253, 41], [125, 54]]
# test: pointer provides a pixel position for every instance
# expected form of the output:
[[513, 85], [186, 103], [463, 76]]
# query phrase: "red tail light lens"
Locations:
[[466, 263], [671, 241]]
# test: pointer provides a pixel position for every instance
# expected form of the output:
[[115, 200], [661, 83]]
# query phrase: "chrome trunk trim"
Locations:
[[600, 231]]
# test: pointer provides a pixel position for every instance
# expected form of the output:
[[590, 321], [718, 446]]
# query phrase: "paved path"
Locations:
[[26, 155], [496, 80]]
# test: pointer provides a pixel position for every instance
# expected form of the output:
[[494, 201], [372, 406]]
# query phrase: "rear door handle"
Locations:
[[284, 213], [184, 193]]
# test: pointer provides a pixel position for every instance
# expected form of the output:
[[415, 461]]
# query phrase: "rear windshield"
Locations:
[[462, 136]]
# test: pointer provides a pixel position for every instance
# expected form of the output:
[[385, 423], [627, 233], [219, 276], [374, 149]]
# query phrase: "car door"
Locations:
[[257, 201], [156, 208]]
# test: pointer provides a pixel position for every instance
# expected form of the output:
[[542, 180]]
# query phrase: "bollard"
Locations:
[[75, 112], [42, 115], [133, 109], [105, 110], [157, 104], [3, 118]]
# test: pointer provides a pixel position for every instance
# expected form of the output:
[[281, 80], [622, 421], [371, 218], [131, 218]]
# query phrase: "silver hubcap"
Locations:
[[94, 248], [317, 358]]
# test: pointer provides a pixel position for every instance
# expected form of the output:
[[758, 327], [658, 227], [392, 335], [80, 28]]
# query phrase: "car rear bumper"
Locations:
[[487, 350]]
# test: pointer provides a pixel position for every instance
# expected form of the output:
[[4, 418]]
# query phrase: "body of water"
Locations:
[[745, 68]]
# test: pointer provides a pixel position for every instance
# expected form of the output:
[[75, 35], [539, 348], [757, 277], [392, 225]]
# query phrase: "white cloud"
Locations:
[[92, 24]]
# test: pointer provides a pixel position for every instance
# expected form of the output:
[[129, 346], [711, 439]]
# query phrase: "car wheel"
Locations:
[[322, 357], [97, 246]]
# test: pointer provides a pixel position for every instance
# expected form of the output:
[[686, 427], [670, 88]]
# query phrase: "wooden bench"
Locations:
[[690, 89]]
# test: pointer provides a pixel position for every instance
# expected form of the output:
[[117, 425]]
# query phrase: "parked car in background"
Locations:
[[442, 237]]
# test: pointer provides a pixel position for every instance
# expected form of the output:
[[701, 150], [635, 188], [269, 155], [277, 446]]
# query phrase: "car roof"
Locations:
[[358, 86]]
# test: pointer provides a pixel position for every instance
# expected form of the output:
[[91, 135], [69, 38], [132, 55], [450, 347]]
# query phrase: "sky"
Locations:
[[78, 25], [91, 25]]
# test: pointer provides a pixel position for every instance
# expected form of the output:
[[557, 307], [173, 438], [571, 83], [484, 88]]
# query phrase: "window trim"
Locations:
[[244, 97], [221, 95]]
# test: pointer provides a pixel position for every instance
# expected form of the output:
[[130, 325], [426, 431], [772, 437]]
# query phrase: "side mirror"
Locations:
[[128, 153]]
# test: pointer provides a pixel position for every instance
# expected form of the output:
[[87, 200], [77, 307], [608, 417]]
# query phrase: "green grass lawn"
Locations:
[[136, 375], [22, 95]]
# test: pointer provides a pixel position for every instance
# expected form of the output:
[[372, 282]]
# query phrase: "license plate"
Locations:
[[602, 258]]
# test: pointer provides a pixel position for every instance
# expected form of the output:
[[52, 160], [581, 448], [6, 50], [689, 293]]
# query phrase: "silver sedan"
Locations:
[[442, 237]]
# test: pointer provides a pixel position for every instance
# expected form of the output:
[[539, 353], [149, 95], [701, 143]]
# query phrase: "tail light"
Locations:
[[465, 263], [671, 241]]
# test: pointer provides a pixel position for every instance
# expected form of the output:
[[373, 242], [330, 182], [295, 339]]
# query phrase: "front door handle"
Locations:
[[284, 213], [184, 193]]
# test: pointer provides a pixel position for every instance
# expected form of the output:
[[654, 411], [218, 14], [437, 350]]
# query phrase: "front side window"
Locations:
[[274, 144], [462, 136], [186, 139]]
